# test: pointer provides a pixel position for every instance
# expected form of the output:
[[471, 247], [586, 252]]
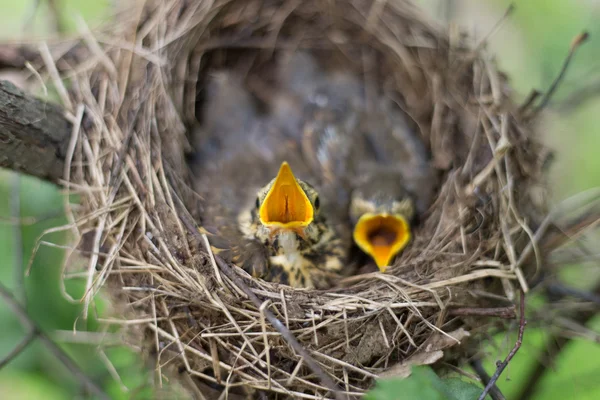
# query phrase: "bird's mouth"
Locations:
[[286, 205], [382, 236]]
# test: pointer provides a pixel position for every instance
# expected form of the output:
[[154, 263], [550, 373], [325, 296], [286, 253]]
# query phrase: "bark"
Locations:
[[34, 134]]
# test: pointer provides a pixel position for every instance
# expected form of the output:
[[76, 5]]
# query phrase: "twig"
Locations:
[[18, 349], [497, 25], [500, 312], [511, 354], [495, 393], [559, 342], [31, 326], [278, 325], [533, 96], [560, 290], [578, 41]]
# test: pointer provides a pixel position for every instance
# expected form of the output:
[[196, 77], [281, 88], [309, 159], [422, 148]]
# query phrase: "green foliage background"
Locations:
[[531, 46]]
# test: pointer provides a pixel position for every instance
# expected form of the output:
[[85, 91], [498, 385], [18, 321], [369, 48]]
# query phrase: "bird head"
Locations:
[[285, 206], [382, 218]]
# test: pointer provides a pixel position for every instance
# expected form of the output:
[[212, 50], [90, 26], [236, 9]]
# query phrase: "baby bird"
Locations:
[[286, 219], [382, 213], [265, 220], [365, 148]]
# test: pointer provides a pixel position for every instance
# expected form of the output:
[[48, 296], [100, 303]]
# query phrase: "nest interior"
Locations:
[[133, 96]]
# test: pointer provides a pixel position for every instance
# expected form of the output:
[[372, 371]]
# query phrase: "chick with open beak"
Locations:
[[364, 148], [382, 213], [303, 250]]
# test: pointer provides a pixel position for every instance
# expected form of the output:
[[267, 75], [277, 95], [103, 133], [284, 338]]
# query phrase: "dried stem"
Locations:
[[517, 346], [578, 41]]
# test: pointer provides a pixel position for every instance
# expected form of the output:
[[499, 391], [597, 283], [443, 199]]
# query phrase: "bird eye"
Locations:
[[257, 203], [317, 203]]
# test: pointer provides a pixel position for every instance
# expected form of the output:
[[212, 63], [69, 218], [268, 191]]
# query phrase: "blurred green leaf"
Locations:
[[457, 389], [423, 384], [30, 386]]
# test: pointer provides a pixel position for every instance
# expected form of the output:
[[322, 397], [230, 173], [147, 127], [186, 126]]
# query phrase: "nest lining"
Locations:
[[134, 91]]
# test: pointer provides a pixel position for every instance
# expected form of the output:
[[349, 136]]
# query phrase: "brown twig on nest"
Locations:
[[577, 41], [278, 325], [511, 354]]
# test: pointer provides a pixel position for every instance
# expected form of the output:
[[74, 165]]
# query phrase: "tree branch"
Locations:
[[495, 393], [20, 347], [34, 135], [502, 365], [559, 342]]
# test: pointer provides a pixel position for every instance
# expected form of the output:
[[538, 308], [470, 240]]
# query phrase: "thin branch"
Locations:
[[509, 10], [556, 289], [578, 41], [67, 361], [278, 325], [502, 366], [495, 393], [533, 96], [23, 344], [559, 342]]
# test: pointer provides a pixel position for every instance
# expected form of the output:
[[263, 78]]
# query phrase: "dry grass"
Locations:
[[131, 95]]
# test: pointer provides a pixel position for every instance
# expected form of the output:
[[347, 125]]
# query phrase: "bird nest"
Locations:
[[133, 95]]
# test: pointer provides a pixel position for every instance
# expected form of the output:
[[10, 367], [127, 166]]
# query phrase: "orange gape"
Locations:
[[381, 236], [286, 205]]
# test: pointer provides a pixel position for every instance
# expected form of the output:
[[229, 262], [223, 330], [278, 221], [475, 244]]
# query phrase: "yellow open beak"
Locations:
[[382, 236], [286, 205]]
